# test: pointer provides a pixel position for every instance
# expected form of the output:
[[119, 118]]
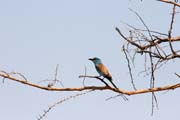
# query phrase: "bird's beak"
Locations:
[[90, 59]]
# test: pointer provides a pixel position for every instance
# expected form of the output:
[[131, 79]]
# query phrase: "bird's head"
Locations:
[[95, 60]]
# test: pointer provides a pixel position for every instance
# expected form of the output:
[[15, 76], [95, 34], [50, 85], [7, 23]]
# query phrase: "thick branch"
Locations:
[[161, 40], [141, 91], [153, 43]]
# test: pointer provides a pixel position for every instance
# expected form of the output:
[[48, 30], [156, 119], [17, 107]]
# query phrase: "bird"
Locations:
[[103, 71]]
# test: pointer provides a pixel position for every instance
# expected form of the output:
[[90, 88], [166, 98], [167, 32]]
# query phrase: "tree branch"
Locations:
[[170, 2], [134, 92]]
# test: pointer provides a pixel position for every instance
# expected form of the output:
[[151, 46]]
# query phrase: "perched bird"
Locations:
[[102, 70]]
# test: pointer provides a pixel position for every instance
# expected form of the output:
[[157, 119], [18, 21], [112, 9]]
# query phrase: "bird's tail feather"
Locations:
[[113, 84]]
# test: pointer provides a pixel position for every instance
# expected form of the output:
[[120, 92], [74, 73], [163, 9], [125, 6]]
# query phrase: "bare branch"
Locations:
[[134, 92], [128, 40], [60, 102], [177, 75], [129, 67], [170, 2], [171, 28], [85, 72]]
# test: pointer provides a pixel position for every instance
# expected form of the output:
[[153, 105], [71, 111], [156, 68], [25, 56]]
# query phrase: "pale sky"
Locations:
[[35, 35]]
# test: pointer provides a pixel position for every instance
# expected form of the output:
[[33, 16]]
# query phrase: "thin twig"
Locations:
[[171, 28], [177, 75], [137, 29], [129, 67], [60, 102], [97, 77], [85, 72], [170, 2]]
